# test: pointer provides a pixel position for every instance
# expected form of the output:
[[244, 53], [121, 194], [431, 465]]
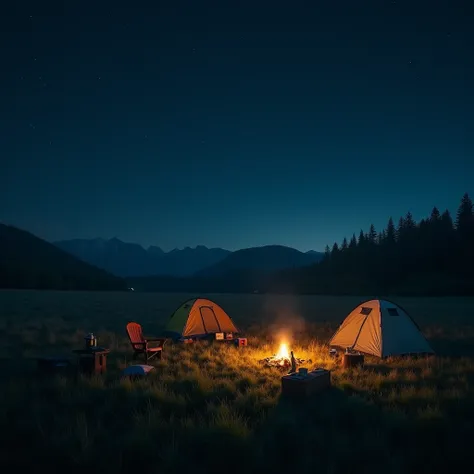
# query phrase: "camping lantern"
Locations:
[[91, 341]]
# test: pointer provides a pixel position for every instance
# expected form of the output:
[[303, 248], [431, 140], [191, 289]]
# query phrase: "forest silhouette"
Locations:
[[432, 257]]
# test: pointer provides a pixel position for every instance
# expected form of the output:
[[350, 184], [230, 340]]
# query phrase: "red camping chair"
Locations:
[[140, 343]]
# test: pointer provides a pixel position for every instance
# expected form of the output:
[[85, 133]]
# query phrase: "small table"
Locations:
[[92, 361]]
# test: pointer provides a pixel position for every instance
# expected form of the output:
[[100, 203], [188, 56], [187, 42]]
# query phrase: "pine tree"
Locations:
[[435, 215], [447, 220], [344, 246], [391, 233], [361, 241], [401, 229], [382, 237], [353, 242], [465, 237], [372, 235], [465, 218], [409, 221], [327, 253], [335, 249]]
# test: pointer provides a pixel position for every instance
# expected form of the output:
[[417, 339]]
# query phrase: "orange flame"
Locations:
[[283, 352]]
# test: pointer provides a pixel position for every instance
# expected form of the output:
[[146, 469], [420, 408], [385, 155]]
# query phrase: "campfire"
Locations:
[[282, 359]]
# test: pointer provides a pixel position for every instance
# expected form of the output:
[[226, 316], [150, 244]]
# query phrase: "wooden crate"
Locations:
[[352, 360], [305, 385]]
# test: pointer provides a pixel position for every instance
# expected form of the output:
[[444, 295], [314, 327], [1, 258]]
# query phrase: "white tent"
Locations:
[[380, 328]]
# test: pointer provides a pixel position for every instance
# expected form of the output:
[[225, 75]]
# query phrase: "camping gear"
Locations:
[[352, 359], [140, 344], [303, 385], [91, 341], [198, 318], [135, 371], [241, 341], [332, 353], [93, 360], [293, 363], [380, 328], [219, 336]]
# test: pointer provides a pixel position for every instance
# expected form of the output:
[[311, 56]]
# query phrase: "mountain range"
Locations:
[[132, 260], [26, 261]]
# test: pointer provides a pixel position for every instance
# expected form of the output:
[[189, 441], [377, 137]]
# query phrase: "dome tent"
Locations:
[[199, 317], [380, 328]]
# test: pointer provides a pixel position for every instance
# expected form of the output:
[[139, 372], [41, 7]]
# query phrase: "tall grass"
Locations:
[[214, 407]]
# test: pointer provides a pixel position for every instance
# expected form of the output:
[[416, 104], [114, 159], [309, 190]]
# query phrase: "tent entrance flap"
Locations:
[[360, 330], [209, 320]]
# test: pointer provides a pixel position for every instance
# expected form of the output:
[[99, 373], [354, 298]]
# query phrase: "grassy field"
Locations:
[[214, 408]]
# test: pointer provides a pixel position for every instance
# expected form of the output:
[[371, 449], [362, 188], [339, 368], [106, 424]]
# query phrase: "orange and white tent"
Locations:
[[199, 317], [380, 328]]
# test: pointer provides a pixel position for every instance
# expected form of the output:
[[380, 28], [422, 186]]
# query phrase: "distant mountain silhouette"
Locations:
[[26, 261], [129, 259], [267, 258], [132, 260], [188, 261]]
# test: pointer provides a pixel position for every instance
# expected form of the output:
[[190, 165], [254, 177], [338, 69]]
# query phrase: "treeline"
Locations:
[[430, 257]]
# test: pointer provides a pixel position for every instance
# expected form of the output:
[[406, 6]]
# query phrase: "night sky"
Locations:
[[233, 124]]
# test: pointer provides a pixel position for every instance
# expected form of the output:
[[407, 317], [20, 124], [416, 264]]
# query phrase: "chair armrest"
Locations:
[[162, 340], [142, 344]]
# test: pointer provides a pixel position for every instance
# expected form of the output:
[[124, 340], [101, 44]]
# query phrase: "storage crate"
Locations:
[[352, 360], [304, 385]]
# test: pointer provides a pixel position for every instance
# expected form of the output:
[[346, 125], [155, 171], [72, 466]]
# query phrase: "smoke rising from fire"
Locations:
[[283, 318]]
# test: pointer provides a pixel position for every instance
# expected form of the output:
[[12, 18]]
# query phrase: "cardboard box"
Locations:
[[305, 385], [219, 336]]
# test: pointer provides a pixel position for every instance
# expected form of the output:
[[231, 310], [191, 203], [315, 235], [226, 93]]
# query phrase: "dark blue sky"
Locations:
[[233, 124]]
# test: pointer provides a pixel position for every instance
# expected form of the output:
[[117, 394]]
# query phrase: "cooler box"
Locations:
[[241, 341], [304, 385]]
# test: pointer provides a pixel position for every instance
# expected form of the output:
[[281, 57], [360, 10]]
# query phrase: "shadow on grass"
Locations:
[[328, 432]]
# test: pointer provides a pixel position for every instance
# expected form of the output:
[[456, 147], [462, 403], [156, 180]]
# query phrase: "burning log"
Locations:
[[282, 359]]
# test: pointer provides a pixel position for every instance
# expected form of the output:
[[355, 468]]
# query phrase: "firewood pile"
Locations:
[[283, 363]]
